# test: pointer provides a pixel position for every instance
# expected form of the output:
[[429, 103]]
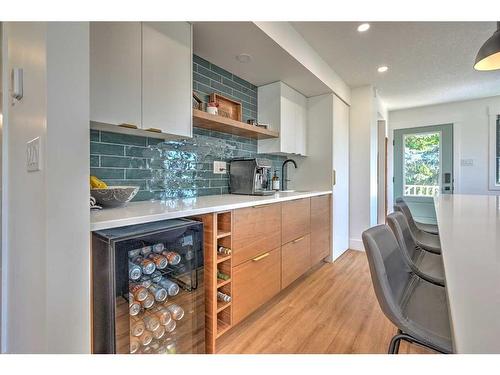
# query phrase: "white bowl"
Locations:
[[114, 196]]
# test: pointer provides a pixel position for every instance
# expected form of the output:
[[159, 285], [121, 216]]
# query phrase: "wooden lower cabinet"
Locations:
[[255, 282], [295, 219], [295, 259], [256, 230], [320, 228]]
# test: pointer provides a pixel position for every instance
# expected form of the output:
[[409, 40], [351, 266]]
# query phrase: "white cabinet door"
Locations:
[[115, 72], [301, 125], [167, 77], [288, 119]]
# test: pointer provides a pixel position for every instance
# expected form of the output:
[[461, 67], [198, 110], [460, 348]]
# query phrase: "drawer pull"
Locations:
[[256, 259], [298, 239]]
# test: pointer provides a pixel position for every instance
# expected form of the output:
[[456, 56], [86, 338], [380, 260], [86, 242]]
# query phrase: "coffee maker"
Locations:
[[250, 176]]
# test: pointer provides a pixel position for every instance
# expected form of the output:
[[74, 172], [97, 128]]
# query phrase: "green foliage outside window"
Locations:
[[421, 159]]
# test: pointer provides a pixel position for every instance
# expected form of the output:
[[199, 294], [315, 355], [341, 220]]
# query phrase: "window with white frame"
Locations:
[[494, 149], [497, 144]]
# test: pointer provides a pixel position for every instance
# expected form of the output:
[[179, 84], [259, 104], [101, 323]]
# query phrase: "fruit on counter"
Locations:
[[95, 183]]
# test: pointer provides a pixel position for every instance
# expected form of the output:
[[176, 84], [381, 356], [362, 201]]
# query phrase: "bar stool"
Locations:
[[415, 306], [424, 240], [429, 228], [427, 265]]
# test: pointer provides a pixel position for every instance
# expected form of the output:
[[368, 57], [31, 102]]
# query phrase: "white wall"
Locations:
[[46, 218], [470, 138], [363, 163]]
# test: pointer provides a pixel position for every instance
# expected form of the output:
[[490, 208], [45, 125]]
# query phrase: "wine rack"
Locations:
[[224, 266]]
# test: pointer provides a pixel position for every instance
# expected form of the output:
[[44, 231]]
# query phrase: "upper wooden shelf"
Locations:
[[226, 125]]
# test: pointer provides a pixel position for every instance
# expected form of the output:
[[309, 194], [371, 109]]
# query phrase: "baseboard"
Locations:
[[355, 244]]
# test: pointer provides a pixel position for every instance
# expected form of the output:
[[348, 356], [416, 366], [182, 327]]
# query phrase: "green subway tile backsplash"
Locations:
[[176, 169]]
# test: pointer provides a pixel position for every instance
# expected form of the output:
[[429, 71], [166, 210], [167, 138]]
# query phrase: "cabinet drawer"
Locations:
[[255, 231], [295, 260], [296, 219], [254, 283], [320, 228]]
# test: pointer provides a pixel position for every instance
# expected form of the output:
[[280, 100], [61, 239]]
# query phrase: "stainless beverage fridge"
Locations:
[[148, 294]]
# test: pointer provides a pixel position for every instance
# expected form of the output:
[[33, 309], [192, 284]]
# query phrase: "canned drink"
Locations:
[[158, 248], [159, 332], [135, 344], [134, 271], [171, 287], [156, 276], [134, 253], [152, 322], [137, 328], [146, 250], [171, 348], [176, 311], [161, 350], [139, 292], [146, 338], [172, 257], [159, 293], [155, 345], [189, 254], [160, 261], [147, 350], [147, 266], [146, 283], [170, 326], [224, 250], [134, 307], [148, 302], [164, 316]]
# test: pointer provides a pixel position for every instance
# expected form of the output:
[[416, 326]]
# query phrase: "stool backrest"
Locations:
[[389, 272], [402, 207], [401, 229]]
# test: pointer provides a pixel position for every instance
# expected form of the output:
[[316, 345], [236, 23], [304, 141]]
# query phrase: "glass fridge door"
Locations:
[[159, 292]]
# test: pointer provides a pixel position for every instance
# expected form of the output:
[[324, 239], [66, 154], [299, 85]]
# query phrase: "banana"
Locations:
[[95, 183]]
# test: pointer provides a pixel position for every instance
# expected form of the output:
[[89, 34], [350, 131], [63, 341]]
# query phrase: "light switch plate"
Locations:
[[33, 155], [220, 167], [467, 162]]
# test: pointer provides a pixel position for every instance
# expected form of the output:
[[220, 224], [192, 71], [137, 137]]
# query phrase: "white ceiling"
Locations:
[[221, 42], [429, 62]]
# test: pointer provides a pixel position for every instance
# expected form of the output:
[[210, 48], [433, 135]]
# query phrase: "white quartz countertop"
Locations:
[[148, 211], [469, 229]]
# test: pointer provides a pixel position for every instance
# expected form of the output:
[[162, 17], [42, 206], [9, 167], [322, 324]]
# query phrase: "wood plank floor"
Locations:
[[332, 309]]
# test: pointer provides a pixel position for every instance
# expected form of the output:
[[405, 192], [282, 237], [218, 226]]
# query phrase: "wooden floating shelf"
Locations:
[[222, 234], [222, 258], [221, 124], [221, 282], [222, 305], [222, 327]]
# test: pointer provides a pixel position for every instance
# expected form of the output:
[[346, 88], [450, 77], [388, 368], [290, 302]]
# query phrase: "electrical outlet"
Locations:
[[33, 155], [220, 167]]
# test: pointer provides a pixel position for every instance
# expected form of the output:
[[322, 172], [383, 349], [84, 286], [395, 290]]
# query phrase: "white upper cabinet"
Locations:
[[141, 74], [115, 72], [167, 77], [285, 110]]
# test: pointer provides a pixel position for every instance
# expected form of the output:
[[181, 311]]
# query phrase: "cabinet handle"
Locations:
[[256, 259], [298, 239]]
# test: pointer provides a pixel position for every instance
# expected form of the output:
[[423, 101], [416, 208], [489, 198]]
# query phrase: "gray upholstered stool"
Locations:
[[429, 228], [417, 307], [426, 241], [427, 265]]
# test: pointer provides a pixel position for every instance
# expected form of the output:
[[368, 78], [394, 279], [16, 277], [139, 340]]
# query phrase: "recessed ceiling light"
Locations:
[[244, 58], [382, 69], [363, 27]]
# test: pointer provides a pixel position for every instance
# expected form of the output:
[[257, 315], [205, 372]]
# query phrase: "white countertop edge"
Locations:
[[116, 222]]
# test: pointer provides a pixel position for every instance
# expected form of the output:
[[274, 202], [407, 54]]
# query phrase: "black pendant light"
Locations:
[[488, 57]]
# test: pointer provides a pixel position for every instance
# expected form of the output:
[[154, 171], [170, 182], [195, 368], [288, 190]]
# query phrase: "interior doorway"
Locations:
[[381, 171]]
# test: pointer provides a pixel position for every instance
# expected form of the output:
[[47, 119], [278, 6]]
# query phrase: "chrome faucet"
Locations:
[[284, 184]]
